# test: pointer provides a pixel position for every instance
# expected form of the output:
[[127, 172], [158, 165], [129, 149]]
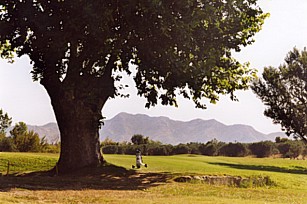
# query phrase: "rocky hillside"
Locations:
[[123, 126]]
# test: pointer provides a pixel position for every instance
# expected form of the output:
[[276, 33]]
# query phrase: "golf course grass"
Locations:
[[117, 182]]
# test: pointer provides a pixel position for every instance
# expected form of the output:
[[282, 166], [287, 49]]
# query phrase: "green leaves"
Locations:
[[284, 91], [181, 46], [24, 140], [6, 51], [190, 48], [5, 122]]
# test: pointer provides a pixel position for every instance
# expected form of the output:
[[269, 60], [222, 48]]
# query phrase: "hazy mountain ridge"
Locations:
[[123, 126], [50, 130]]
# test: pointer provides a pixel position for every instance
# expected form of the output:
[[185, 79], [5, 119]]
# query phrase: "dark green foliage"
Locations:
[[110, 149], [51, 148], [5, 122], [262, 149], [107, 141], [139, 139], [20, 138], [160, 149], [181, 149], [284, 91], [194, 147], [211, 148], [281, 140], [296, 149], [24, 140], [69, 39], [233, 150], [7, 145], [291, 149], [131, 149], [121, 149], [283, 147]]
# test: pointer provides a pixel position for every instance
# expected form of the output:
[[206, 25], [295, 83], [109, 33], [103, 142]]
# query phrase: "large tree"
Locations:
[[80, 48], [284, 91]]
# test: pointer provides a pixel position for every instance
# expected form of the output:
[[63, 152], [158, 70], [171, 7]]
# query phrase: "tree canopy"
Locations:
[[139, 139], [176, 45], [284, 91]]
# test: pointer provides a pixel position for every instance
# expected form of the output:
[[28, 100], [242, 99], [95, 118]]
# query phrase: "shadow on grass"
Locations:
[[107, 177], [293, 170]]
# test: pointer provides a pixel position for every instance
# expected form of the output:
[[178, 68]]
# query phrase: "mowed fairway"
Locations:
[[152, 185]]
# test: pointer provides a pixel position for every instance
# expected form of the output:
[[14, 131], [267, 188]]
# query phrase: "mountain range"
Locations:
[[124, 125]]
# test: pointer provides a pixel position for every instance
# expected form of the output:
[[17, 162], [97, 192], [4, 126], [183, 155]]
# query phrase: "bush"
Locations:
[[296, 149], [121, 149], [194, 147], [291, 149], [139, 139], [262, 149], [233, 150], [110, 149], [51, 148], [7, 145], [162, 150], [211, 148], [24, 140], [181, 149]]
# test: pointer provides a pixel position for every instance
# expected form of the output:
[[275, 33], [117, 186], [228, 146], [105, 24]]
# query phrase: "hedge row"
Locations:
[[285, 148]]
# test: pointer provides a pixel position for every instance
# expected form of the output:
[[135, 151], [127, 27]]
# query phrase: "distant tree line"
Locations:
[[282, 147], [20, 139]]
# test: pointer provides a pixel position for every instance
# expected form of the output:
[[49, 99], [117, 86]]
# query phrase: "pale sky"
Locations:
[[27, 101]]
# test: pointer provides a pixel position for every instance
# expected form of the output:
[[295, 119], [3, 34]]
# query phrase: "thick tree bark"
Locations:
[[77, 102], [77, 108], [78, 125]]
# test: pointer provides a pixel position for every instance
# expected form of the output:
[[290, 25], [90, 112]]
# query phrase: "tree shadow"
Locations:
[[107, 177], [293, 170]]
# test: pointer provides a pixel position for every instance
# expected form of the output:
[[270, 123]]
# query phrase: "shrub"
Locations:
[[233, 150], [262, 149], [291, 149], [51, 148], [7, 145], [211, 148], [110, 149], [159, 150], [194, 147], [181, 149]]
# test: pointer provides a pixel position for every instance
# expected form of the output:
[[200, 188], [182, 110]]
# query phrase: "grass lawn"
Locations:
[[155, 184]]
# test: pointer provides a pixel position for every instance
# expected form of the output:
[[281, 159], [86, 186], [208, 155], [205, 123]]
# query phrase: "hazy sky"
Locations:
[[27, 101]]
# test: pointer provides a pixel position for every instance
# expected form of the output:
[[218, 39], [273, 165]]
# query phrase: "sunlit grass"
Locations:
[[26, 162], [285, 172]]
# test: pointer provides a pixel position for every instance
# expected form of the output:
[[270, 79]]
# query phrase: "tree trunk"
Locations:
[[78, 113], [77, 103], [78, 123]]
